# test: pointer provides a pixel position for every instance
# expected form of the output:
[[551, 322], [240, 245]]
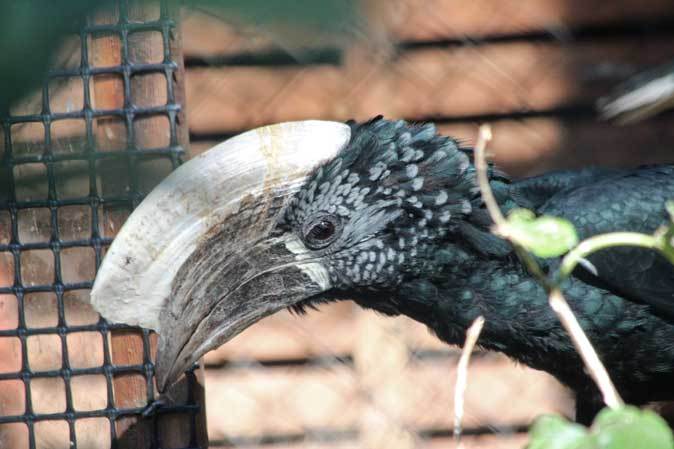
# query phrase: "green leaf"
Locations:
[[630, 428], [555, 432], [545, 236]]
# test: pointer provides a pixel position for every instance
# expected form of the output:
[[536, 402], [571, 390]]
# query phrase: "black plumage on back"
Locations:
[[415, 240]]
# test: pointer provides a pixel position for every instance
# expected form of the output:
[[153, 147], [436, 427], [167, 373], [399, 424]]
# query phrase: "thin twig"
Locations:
[[472, 334], [557, 301], [501, 225], [483, 137], [612, 239], [602, 241], [585, 349]]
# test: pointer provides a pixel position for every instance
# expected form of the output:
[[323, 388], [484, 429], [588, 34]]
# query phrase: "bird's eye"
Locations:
[[319, 232]]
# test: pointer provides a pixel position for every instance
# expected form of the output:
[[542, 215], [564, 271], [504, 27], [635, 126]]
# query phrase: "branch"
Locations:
[[585, 349], [472, 334], [483, 137], [501, 225], [557, 301], [602, 241]]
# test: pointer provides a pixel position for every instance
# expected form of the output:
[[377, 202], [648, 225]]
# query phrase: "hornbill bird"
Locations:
[[388, 214]]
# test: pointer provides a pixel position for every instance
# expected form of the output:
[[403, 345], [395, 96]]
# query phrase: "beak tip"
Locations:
[[165, 379]]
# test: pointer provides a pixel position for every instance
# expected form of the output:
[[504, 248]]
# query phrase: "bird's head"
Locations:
[[282, 217]]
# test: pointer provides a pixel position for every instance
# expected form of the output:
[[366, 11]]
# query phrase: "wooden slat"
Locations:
[[299, 445], [442, 19], [409, 20], [207, 35], [499, 441], [533, 146], [453, 82], [250, 402]]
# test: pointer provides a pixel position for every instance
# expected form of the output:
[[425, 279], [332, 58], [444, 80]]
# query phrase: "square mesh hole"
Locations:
[[93, 433], [153, 131], [52, 435], [14, 435], [5, 183], [9, 312], [130, 382], [151, 172], [85, 349], [6, 269], [34, 225], [44, 352], [105, 49], [30, 181], [142, 12], [12, 398], [89, 392], [40, 310], [111, 133], [107, 90], [27, 139], [111, 219], [74, 222], [114, 178], [72, 179], [68, 136], [48, 395], [10, 348], [146, 47], [78, 265], [127, 349], [149, 89], [5, 226], [66, 94], [78, 310], [37, 267]]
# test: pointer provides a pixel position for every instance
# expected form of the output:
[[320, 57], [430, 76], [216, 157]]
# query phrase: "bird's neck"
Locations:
[[519, 322]]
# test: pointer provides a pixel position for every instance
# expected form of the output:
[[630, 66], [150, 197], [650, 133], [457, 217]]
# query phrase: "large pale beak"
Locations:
[[196, 261]]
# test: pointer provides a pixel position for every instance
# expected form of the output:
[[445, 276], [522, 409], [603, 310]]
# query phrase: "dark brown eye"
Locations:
[[321, 231]]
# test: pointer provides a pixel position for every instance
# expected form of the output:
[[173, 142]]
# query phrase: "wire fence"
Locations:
[[76, 159]]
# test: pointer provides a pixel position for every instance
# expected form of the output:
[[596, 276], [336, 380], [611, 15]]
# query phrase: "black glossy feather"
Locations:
[[416, 241], [627, 200]]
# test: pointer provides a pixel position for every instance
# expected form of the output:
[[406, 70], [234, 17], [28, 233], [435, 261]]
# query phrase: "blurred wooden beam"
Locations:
[[207, 35], [418, 395], [534, 145], [420, 84]]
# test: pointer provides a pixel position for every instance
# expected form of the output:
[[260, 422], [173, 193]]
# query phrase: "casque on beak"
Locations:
[[197, 260]]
